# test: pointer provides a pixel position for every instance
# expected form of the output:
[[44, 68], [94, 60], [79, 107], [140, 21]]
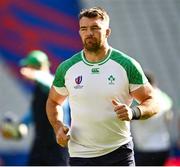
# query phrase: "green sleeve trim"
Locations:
[[133, 69], [59, 80]]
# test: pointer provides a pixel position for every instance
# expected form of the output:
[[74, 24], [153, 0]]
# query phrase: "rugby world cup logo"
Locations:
[[78, 81]]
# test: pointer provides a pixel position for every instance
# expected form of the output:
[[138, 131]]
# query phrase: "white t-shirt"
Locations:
[[95, 129]]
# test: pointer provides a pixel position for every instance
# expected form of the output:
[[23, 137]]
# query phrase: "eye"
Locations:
[[95, 28], [83, 29]]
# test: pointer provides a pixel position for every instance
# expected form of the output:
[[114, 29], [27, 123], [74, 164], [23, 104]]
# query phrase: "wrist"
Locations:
[[57, 126], [136, 113]]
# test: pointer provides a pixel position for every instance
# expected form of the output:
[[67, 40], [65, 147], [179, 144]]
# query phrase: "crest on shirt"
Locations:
[[111, 80], [78, 81]]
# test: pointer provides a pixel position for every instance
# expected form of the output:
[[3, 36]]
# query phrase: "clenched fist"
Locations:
[[62, 136], [123, 112]]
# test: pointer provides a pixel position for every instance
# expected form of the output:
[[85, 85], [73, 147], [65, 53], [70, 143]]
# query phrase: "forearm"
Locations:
[[148, 108], [52, 109], [44, 78]]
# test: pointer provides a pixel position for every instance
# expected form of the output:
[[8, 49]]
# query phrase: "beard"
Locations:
[[92, 44]]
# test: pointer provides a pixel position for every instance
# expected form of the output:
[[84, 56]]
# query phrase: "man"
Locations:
[[156, 128], [45, 151], [100, 83]]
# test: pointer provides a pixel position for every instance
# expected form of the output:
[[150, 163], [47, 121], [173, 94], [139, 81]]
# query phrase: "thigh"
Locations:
[[123, 156], [76, 161]]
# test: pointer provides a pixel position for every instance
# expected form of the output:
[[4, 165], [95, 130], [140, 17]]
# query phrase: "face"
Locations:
[[33, 67], [93, 32]]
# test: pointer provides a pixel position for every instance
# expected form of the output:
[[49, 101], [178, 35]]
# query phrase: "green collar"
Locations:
[[98, 63]]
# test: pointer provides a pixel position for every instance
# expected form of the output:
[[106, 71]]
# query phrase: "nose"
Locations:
[[89, 32]]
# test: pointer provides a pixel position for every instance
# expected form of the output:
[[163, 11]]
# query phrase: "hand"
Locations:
[[28, 73], [123, 111], [9, 131], [61, 136]]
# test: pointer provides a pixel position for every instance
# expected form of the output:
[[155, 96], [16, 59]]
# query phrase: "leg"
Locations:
[[123, 156]]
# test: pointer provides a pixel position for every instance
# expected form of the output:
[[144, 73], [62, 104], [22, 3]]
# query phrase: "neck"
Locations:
[[98, 55]]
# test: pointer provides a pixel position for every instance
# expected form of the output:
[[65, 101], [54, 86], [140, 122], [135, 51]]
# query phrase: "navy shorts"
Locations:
[[123, 156]]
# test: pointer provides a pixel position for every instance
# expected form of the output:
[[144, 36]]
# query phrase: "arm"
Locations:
[[148, 104], [55, 101], [42, 77]]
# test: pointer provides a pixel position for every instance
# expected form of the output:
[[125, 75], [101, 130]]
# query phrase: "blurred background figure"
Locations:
[[49, 26], [151, 137], [45, 150]]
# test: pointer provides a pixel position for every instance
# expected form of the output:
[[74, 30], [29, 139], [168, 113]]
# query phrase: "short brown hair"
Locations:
[[94, 12]]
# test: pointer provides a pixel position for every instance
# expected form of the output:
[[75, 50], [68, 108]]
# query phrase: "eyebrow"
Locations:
[[90, 26], [83, 27]]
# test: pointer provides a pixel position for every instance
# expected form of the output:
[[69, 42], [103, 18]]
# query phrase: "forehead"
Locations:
[[85, 21], [33, 66]]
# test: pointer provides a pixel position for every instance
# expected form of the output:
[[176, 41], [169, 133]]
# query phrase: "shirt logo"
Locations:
[[111, 80], [95, 70], [78, 81]]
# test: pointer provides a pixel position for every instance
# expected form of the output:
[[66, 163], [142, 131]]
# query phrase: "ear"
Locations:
[[108, 32]]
